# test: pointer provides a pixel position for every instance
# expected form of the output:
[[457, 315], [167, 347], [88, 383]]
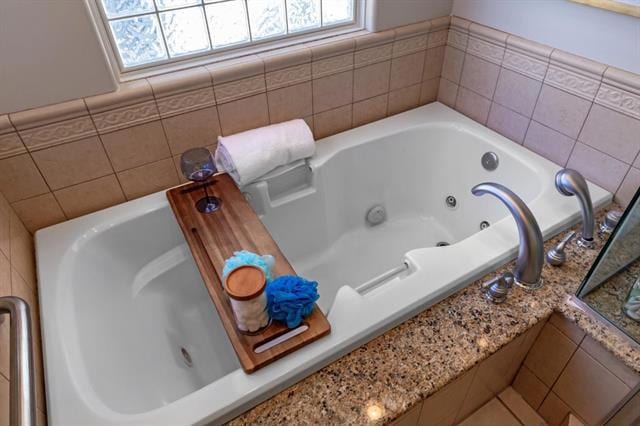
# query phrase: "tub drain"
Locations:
[[376, 215], [484, 224], [451, 201], [186, 357], [442, 244]]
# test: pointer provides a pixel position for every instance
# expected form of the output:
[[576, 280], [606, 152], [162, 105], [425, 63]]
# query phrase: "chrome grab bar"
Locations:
[[22, 408]]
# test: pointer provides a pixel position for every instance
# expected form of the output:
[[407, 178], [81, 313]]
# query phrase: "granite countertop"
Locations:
[[418, 357]]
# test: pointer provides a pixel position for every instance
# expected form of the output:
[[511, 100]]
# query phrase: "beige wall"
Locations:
[[18, 278], [50, 53]]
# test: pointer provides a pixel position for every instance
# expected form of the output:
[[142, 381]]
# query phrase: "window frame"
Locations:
[[124, 74]]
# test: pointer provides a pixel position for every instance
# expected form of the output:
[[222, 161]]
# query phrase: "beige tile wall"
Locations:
[[18, 278], [73, 158], [568, 372], [573, 111], [554, 366], [470, 391]]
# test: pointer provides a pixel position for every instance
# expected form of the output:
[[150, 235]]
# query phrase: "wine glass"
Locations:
[[197, 165]]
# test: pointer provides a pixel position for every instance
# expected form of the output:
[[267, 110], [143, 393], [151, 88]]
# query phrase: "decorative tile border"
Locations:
[[121, 118], [239, 89], [288, 76], [10, 145], [619, 100], [572, 82], [437, 38], [409, 45], [524, 64], [373, 55], [457, 39], [185, 102], [333, 65], [485, 50], [58, 133]]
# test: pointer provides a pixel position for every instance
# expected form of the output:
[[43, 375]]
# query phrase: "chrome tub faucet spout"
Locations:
[[570, 182], [528, 270]]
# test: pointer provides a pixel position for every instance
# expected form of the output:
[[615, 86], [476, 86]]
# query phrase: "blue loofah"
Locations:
[[291, 298], [245, 257]]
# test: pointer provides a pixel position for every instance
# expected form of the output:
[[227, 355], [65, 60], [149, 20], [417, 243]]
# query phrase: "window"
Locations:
[[151, 32]]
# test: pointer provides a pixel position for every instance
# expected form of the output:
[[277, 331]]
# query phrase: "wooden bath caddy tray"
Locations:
[[213, 238]]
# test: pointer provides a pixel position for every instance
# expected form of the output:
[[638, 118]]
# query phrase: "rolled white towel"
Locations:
[[248, 155]]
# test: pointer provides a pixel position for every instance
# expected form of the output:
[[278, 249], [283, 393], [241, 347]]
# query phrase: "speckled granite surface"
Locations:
[[421, 355]]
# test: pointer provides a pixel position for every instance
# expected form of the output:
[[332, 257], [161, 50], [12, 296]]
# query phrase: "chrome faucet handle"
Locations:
[[556, 256], [497, 289], [610, 221], [570, 182]]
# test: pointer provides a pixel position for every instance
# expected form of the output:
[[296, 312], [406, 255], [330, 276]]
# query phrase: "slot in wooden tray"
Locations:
[[213, 238]]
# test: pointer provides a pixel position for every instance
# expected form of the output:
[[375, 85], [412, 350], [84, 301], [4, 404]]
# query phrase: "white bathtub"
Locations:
[[121, 297]]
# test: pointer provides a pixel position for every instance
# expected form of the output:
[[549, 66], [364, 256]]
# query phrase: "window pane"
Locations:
[[303, 14], [335, 11], [120, 8], [172, 4], [139, 40], [185, 31], [266, 18], [227, 23]]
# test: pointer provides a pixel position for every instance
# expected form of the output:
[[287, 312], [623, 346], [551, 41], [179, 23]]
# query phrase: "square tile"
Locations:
[[610, 362], [371, 80], [549, 355], [517, 92], [5, 222], [89, 197], [589, 389], [508, 123], [72, 163], [22, 252], [629, 187], [433, 63], [553, 410], [567, 327], [290, 102], [447, 92], [598, 167], [137, 145], [244, 114], [191, 130], [491, 414], [333, 121], [332, 91], [519, 407], [442, 407], [530, 387], [148, 179], [404, 99], [429, 91], [613, 133], [480, 76], [406, 70], [473, 105], [410, 418], [561, 111], [547, 142], [39, 212], [452, 64], [20, 178], [369, 110]]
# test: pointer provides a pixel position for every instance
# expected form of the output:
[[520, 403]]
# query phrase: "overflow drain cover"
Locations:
[[490, 161]]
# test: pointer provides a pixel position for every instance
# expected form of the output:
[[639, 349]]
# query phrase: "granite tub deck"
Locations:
[[420, 356]]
